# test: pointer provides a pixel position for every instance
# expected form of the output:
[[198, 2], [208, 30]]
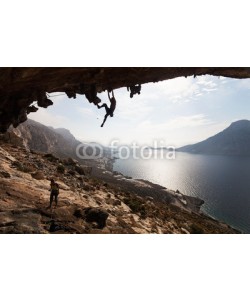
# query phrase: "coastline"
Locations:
[[156, 193]]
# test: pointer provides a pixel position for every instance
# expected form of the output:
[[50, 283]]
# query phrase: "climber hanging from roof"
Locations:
[[134, 89], [109, 110]]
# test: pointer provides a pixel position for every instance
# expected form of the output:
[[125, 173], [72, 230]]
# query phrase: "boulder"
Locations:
[[79, 213], [38, 175], [94, 214]]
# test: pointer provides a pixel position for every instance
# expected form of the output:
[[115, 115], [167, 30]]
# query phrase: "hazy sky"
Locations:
[[178, 112]]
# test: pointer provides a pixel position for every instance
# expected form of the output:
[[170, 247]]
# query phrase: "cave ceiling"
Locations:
[[21, 87]]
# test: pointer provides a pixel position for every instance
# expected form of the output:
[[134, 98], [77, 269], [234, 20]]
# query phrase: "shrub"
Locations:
[[17, 165], [72, 172], [136, 205], [60, 169], [79, 170], [69, 161], [23, 167], [51, 157]]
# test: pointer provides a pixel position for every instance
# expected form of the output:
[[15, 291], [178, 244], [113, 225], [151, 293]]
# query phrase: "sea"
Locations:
[[223, 182]]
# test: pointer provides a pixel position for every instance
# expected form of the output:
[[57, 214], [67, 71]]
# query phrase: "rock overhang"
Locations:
[[20, 87]]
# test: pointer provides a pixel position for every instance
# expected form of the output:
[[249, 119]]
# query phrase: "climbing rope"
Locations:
[[54, 95]]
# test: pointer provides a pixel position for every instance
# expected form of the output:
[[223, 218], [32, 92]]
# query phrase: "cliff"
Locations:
[[38, 137]]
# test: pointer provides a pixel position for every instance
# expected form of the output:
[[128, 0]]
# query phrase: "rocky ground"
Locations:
[[132, 206]]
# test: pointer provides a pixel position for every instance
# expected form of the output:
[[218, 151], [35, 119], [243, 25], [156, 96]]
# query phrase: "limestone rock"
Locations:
[[24, 201]]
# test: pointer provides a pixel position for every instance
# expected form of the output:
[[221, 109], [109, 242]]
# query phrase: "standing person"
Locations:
[[54, 192], [109, 110]]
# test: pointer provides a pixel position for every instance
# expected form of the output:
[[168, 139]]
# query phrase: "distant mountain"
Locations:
[[60, 142], [66, 134], [38, 137], [234, 140]]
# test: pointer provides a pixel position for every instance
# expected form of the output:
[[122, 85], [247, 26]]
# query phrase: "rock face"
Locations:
[[23, 202], [41, 138], [20, 87], [35, 136], [234, 140]]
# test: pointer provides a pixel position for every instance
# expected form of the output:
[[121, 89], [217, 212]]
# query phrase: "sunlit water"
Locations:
[[222, 181]]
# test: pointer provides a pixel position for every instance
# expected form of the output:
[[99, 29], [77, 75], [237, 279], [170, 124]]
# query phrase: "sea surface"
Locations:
[[223, 182]]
